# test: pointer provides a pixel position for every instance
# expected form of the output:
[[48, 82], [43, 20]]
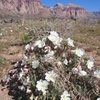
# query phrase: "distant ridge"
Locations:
[[97, 14], [35, 8]]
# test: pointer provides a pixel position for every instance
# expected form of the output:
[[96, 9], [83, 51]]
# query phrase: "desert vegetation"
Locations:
[[66, 64]]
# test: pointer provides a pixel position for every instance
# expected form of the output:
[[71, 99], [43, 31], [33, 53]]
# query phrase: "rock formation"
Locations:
[[36, 8]]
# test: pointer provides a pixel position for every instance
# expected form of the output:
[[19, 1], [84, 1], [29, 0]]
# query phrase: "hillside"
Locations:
[[36, 8]]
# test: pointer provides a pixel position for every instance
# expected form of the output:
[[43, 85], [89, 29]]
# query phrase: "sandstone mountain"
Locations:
[[36, 8]]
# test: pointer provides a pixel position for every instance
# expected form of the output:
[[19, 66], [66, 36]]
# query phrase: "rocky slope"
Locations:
[[36, 8], [69, 10]]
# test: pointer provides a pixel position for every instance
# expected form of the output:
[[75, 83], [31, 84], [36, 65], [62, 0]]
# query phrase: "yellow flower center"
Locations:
[[51, 76], [43, 85], [78, 52], [64, 97]]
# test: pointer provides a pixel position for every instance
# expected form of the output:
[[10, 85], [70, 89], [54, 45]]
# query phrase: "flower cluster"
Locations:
[[52, 68]]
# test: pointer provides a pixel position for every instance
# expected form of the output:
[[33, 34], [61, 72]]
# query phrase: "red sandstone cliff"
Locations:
[[36, 8]]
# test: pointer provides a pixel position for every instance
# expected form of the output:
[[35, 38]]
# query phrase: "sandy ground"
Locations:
[[13, 53]]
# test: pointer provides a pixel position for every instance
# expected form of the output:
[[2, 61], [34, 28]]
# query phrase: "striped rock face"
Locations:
[[36, 8]]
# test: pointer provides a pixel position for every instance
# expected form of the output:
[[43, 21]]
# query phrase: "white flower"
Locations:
[[54, 38], [51, 53], [51, 76], [54, 33], [82, 73], [79, 52], [27, 47], [70, 42], [35, 64], [90, 64], [75, 70], [59, 63], [98, 98], [39, 44], [65, 96], [66, 62], [42, 85], [97, 73], [49, 56]]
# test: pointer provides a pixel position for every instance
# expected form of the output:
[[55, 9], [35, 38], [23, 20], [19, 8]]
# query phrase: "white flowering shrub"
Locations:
[[53, 69]]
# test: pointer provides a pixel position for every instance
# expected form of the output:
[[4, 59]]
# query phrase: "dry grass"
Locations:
[[87, 34]]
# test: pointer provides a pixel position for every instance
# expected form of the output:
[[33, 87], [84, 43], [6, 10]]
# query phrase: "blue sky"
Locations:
[[90, 5]]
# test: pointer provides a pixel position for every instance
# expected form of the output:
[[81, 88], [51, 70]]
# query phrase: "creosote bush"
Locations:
[[53, 69]]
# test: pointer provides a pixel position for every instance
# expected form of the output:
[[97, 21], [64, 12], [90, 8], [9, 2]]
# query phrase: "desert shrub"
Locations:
[[53, 69], [26, 38]]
